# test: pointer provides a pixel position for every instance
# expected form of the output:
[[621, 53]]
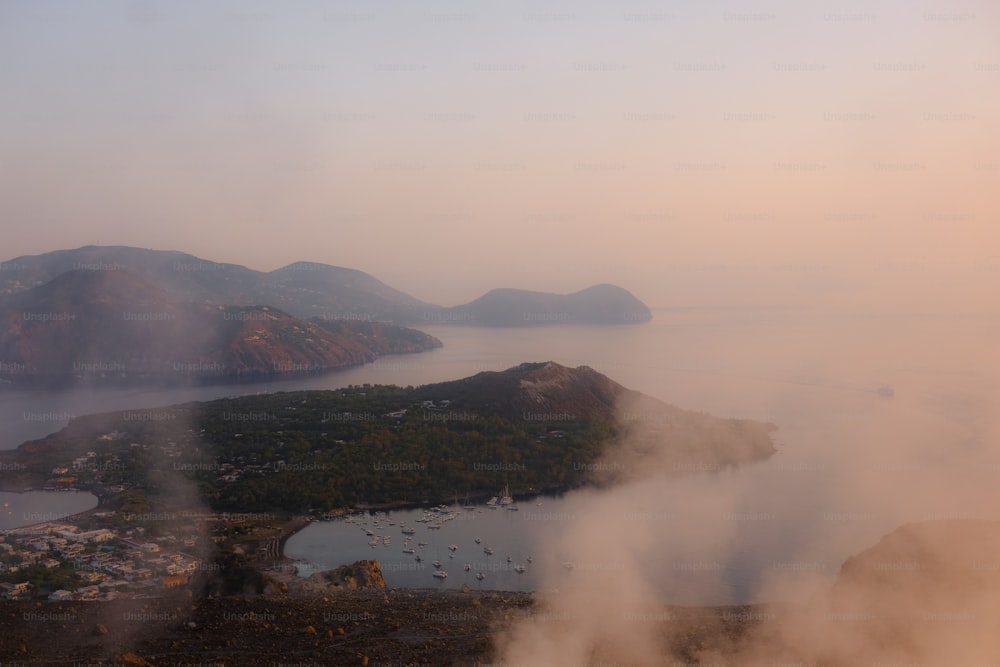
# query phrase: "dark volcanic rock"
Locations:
[[360, 574], [395, 626]]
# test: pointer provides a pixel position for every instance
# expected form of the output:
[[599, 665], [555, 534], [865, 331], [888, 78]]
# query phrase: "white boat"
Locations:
[[478, 540], [480, 576], [421, 543], [488, 551], [408, 550], [437, 564], [440, 574], [505, 497], [509, 559], [453, 547], [529, 559], [468, 567], [492, 502], [409, 531], [519, 568], [512, 507]]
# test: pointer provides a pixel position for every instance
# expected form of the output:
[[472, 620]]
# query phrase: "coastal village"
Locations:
[[121, 553], [106, 554], [109, 565]]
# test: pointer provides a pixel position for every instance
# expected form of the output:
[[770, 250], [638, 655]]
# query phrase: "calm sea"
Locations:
[[24, 509], [852, 464]]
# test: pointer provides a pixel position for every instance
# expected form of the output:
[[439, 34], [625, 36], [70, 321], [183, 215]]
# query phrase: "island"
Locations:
[[197, 499]]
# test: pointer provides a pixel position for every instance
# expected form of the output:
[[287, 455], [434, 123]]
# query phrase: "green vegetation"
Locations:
[[536, 427], [45, 579], [324, 449], [335, 449]]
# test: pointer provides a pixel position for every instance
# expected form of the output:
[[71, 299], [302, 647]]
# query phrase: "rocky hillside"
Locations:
[[116, 326], [544, 388], [653, 437], [360, 574]]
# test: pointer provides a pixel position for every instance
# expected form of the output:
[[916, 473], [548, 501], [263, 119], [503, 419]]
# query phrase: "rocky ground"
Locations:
[[346, 627]]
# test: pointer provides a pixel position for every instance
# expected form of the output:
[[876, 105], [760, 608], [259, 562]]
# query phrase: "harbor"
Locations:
[[487, 546]]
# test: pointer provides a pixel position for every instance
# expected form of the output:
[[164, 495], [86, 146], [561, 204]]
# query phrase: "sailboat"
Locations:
[[505, 497]]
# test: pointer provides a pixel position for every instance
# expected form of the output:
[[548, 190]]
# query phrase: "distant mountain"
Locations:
[[113, 325], [332, 293], [600, 304], [303, 289]]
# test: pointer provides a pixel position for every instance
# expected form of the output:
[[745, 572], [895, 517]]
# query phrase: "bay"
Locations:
[[31, 507], [852, 465]]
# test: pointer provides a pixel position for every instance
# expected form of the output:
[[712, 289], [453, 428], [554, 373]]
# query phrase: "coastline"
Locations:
[[64, 518]]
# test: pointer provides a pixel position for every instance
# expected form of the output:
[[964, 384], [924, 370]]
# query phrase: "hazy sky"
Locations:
[[736, 151]]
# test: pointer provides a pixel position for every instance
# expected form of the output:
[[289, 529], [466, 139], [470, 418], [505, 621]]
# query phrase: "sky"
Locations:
[[694, 153]]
